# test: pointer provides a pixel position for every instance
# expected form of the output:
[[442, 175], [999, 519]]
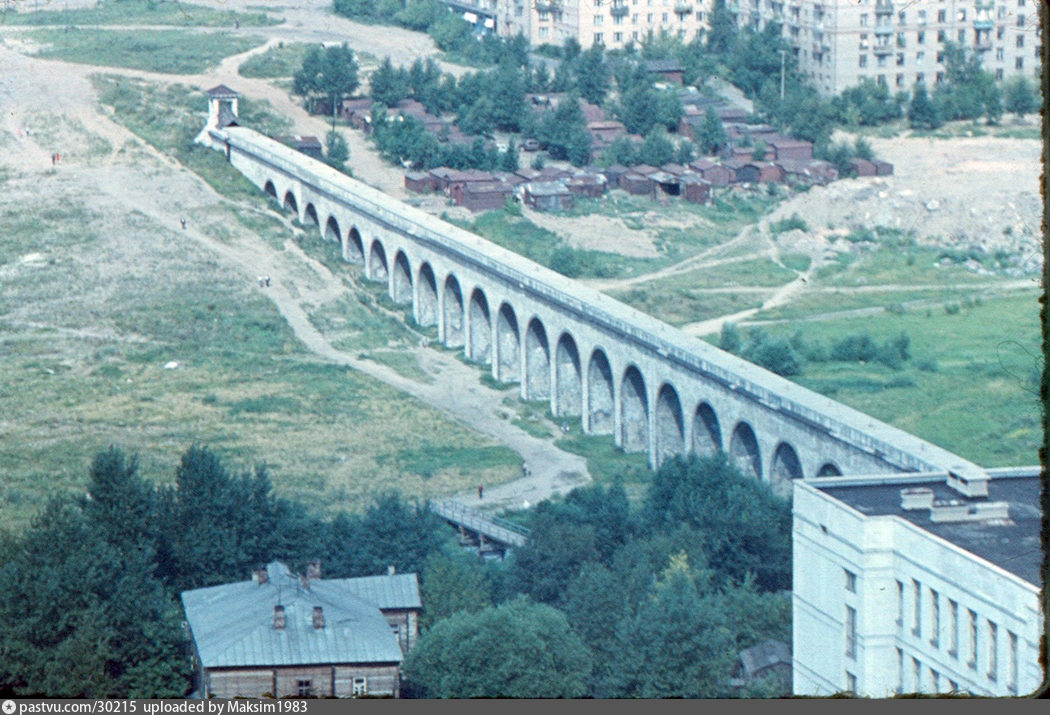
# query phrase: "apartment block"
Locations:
[[836, 42], [905, 584], [899, 43]]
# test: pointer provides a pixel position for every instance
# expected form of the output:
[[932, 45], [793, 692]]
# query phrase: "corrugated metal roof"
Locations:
[[232, 624]]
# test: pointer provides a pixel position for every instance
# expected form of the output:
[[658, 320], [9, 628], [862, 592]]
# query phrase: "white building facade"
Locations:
[[903, 585], [836, 42]]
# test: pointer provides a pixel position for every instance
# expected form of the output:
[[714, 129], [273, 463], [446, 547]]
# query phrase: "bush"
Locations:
[[790, 223], [858, 347]]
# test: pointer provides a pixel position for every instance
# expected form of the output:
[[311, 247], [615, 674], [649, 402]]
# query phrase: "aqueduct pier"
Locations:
[[615, 369]]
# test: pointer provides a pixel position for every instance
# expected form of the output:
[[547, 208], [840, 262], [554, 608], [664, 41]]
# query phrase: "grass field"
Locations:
[[169, 51], [140, 12], [277, 62], [96, 306], [971, 385]]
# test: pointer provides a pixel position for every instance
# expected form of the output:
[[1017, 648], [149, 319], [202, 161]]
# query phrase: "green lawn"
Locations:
[[971, 385], [168, 51], [140, 12], [277, 62]]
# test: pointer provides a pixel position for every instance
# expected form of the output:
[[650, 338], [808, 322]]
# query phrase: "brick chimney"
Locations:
[[260, 575], [313, 569], [318, 617], [278, 617], [390, 570]]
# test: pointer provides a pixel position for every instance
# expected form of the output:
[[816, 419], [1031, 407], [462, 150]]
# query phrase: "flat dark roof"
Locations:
[[1014, 546]]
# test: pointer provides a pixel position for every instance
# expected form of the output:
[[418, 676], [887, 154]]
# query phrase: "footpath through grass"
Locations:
[[167, 51]]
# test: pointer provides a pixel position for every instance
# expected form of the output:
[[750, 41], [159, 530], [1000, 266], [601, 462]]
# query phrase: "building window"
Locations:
[[360, 686], [1020, 20], [881, 79], [598, 38], [935, 619], [972, 660], [1019, 64], [940, 78], [999, 54], [940, 58], [953, 628], [942, 16], [900, 671], [1000, 32], [916, 618], [634, 19], [900, 80], [999, 73], [864, 20], [851, 632], [961, 16], [1011, 662], [851, 682], [599, 19], [617, 37], [920, 57], [900, 604], [544, 32], [993, 651], [1020, 40], [304, 688], [961, 35], [942, 36], [920, 77], [882, 60], [922, 17], [900, 60], [864, 41], [851, 581], [920, 37], [901, 17], [863, 61], [544, 16]]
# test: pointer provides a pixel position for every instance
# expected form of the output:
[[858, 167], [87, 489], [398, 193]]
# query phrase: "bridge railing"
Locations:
[[892, 445], [475, 520]]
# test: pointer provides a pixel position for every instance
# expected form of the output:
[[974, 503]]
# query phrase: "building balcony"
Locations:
[[983, 24], [619, 10], [548, 6], [884, 30], [983, 45], [883, 49], [883, 8], [683, 8]]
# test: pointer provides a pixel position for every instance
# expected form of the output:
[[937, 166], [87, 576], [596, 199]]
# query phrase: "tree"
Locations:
[[922, 113], [679, 643], [723, 33], [79, 618], [389, 85], [564, 131], [120, 503], [969, 91], [730, 339], [337, 151], [747, 529], [621, 151], [452, 583], [592, 75], [657, 149], [509, 158], [552, 556], [329, 73], [712, 134], [517, 650], [868, 103], [1020, 96]]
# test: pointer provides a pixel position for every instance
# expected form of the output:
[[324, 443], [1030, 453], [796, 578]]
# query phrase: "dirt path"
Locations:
[[165, 192]]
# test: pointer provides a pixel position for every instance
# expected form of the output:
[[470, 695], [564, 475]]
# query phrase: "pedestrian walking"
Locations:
[[267, 281], [481, 491]]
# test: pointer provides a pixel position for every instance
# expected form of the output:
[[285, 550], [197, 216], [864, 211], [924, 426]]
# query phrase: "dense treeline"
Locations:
[[605, 600], [662, 596], [88, 594]]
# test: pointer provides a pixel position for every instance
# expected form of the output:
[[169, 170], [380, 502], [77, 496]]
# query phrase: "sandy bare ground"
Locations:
[[166, 192]]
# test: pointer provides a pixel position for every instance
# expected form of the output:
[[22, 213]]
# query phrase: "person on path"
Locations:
[[183, 221], [481, 491]]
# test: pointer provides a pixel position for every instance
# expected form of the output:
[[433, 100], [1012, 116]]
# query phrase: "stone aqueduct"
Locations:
[[593, 359]]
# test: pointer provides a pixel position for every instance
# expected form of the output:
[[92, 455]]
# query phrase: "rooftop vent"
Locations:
[[313, 569], [916, 498], [278, 617], [260, 575], [951, 511], [318, 617]]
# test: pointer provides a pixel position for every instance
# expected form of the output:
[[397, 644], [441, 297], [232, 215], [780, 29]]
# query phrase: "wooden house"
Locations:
[[786, 148], [481, 195], [666, 70], [634, 183], [714, 173], [282, 635], [586, 184], [695, 189], [547, 196], [755, 172], [862, 167], [882, 168], [662, 182], [419, 182]]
